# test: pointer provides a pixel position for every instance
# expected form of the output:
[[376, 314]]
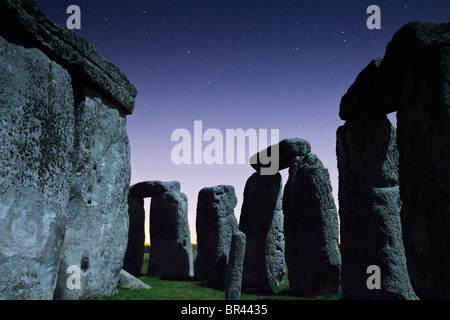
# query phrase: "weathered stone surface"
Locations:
[[424, 140], [288, 149], [97, 214], [235, 266], [149, 189], [262, 222], [379, 88], [36, 132], [369, 207], [413, 79], [23, 18], [215, 225], [128, 281], [134, 256], [171, 251], [311, 229]]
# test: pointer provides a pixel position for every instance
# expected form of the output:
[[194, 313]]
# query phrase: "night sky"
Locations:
[[236, 64]]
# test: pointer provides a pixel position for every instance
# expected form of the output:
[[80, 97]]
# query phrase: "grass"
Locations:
[[195, 290]]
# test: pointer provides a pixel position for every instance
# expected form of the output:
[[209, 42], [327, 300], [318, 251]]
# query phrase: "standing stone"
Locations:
[[288, 149], [424, 148], [215, 225], [97, 227], [369, 199], [171, 251], [235, 266], [134, 256], [262, 222], [311, 229], [36, 135]]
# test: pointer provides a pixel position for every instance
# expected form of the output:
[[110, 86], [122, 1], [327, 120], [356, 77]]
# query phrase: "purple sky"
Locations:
[[236, 64]]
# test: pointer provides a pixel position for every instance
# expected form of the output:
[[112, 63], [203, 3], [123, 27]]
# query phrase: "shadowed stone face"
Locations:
[[233, 282], [171, 251], [311, 229], [262, 222], [215, 225]]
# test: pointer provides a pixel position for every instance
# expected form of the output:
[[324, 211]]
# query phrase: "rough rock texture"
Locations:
[[311, 229], [128, 281], [288, 149], [149, 189], [424, 140], [413, 79], [235, 266], [215, 225], [134, 256], [171, 253], [65, 164], [36, 118], [369, 207], [97, 225], [23, 18], [262, 222]]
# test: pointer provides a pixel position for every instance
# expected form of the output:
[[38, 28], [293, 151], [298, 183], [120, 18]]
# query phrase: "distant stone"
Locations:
[[128, 281], [134, 256], [262, 222], [233, 280], [311, 229], [215, 226], [288, 149], [171, 251], [149, 189]]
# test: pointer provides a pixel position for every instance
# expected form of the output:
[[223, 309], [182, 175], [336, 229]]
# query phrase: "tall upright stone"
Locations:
[[412, 79], [97, 226], [369, 199], [36, 101], [134, 256], [262, 222], [423, 141], [215, 226], [171, 253], [311, 229], [235, 266], [65, 159]]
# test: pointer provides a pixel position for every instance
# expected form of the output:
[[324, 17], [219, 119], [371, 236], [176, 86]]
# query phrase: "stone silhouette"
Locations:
[[288, 149], [262, 222], [370, 205], [412, 79], [134, 256], [171, 251], [66, 159], [235, 266], [311, 229], [215, 226]]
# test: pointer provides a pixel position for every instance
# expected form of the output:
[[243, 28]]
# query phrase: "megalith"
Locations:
[[412, 79], [215, 225], [134, 256], [171, 249], [235, 266], [64, 157], [369, 207], [311, 229], [262, 222]]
